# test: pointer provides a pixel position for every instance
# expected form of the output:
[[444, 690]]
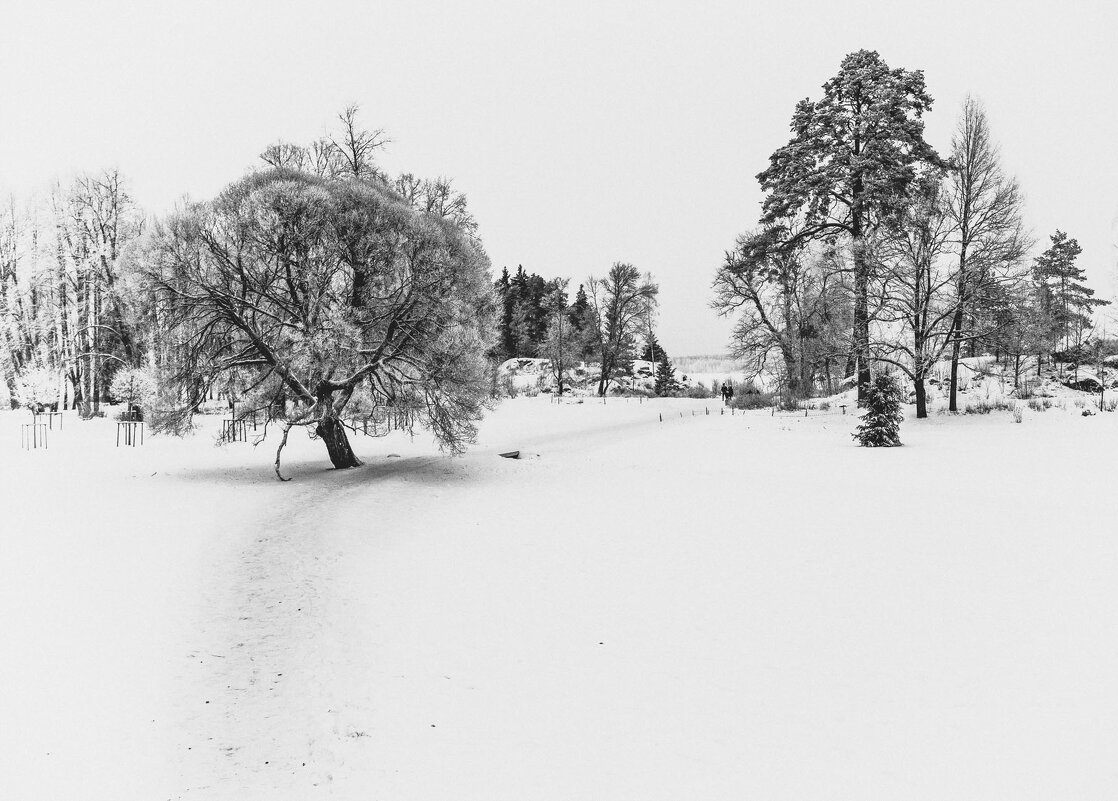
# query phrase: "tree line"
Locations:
[[607, 322], [68, 316], [873, 250], [315, 289]]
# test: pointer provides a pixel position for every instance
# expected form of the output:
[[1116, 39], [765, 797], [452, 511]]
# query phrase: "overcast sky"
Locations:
[[582, 133]]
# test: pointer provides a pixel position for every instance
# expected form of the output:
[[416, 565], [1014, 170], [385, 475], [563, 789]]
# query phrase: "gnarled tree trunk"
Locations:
[[332, 433]]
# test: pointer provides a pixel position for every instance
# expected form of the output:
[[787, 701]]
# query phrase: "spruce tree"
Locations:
[[665, 375], [652, 350], [880, 426], [581, 318], [505, 346]]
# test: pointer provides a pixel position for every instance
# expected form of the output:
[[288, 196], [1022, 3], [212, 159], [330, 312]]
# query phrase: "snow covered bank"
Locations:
[[708, 607]]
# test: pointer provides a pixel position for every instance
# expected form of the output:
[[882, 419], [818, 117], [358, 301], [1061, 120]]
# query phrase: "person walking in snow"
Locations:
[[727, 392]]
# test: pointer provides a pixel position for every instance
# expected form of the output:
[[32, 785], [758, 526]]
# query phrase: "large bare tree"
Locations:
[[985, 205]]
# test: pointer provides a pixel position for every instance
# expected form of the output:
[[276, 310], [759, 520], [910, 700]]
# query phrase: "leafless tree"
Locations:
[[985, 206], [617, 303]]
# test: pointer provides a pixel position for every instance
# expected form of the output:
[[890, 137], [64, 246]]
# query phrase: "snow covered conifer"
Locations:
[[880, 427], [665, 375]]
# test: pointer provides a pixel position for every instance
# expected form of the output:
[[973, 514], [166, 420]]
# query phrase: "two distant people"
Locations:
[[727, 392]]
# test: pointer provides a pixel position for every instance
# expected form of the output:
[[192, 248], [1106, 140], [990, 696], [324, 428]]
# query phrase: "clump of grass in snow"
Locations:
[[983, 406]]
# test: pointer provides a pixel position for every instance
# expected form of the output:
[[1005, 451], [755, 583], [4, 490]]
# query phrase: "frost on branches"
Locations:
[[319, 297], [881, 422]]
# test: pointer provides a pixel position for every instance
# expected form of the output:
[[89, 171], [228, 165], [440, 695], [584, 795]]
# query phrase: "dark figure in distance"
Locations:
[[727, 392]]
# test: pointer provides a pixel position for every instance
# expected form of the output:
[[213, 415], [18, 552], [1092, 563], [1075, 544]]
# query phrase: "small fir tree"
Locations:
[[880, 427], [665, 376]]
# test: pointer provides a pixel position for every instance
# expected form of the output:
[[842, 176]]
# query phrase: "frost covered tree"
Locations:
[[852, 155], [562, 342], [792, 306], [64, 307], [881, 420], [325, 295], [134, 387]]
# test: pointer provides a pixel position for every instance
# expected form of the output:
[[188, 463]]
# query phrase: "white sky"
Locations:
[[583, 133]]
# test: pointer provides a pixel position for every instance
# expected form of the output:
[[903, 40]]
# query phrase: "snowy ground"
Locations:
[[711, 607]]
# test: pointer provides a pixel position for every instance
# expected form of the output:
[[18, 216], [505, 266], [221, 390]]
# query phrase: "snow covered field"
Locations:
[[711, 607]]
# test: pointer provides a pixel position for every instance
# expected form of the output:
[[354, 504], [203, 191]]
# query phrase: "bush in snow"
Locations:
[[133, 387], [987, 406], [881, 421], [38, 389], [698, 392], [753, 400]]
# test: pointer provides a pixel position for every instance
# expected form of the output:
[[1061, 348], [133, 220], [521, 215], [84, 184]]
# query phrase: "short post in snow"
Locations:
[[133, 432]]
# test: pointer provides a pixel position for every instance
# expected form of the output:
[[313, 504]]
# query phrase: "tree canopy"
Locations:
[[326, 296], [852, 156]]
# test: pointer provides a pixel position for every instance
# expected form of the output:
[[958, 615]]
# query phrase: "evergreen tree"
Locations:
[[853, 154], [524, 322], [653, 350], [880, 426], [505, 346], [665, 375], [581, 317], [1067, 300]]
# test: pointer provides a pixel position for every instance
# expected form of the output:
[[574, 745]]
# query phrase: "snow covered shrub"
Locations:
[[881, 421], [506, 387], [753, 400], [133, 387], [1018, 414], [1079, 403], [698, 392], [1038, 404], [37, 389]]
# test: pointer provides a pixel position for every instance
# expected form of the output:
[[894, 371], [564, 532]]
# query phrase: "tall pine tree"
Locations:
[[852, 155], [1066, 299]]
